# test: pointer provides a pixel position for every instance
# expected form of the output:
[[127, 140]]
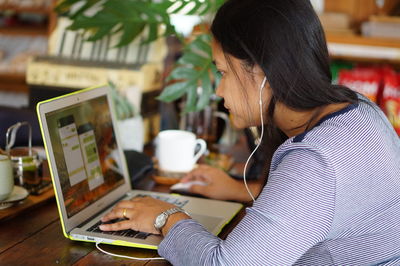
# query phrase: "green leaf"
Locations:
[[86, 6], [103, 31], [175, 91], [216, 74], [206, 9], [64, 6], [182, 73], [178, 8], [202, 44], [190, 105], [204, 98], [194, 70], [193, 59], [153, 33], [131, 17], [131, 31], [197, 6]]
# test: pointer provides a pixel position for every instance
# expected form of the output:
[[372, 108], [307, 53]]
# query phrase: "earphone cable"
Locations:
[[259, 141], [123, 256]]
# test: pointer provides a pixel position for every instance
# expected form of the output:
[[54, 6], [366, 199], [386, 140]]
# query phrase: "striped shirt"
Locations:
[[332, 198]]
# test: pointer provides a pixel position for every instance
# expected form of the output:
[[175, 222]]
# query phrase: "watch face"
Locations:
[[160, 220]]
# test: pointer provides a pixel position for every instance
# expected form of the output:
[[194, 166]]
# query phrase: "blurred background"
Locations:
[[40, 58]]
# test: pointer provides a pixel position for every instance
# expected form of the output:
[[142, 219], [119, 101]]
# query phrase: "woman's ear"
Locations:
[[257, 70], [259, 75]]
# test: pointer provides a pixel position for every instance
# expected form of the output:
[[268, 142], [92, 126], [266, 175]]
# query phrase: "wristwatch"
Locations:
[[161, 219]]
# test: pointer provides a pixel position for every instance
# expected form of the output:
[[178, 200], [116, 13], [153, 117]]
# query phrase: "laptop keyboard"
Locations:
[[173, 200], [126, 233], [132, 233]]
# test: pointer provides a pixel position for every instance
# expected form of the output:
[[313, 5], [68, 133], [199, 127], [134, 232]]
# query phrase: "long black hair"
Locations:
[[286, 40]]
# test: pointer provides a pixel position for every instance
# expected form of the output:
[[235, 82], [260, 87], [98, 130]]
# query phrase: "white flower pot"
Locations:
[[131, 133]]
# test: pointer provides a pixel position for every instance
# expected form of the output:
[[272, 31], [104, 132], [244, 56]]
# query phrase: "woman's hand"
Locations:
[[140, 214], [219, 184]]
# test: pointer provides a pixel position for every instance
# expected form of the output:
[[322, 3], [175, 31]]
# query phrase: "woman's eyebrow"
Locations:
[[215, 63]]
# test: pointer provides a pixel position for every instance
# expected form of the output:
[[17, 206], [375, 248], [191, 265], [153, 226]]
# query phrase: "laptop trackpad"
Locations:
[[212, 224]]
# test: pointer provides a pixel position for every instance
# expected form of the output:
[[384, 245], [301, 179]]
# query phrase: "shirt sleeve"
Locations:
[[293, 213]]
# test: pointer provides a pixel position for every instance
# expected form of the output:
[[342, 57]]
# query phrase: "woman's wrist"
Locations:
[[172, 220], [240, 192]]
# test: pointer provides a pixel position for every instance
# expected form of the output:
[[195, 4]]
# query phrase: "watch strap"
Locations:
[[168, 213], [175, 210]]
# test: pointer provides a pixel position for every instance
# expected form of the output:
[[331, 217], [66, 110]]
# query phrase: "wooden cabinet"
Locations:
[[25, 23], [360, 10], [355, 47]]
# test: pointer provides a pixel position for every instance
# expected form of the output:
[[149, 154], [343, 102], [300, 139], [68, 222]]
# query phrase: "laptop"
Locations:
[[90, 175]]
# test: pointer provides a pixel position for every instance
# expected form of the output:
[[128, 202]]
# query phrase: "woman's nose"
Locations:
[[219, 91]]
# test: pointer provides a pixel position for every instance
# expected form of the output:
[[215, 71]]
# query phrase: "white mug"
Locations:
[[175, 150], [6, 177]]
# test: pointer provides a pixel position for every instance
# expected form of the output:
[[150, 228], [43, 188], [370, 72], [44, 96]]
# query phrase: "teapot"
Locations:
[[25, 161]]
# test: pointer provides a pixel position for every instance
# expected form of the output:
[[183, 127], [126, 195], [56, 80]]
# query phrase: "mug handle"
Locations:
[[202, 150]]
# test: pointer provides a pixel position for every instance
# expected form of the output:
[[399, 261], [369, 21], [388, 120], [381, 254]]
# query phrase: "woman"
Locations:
[[332, 158]]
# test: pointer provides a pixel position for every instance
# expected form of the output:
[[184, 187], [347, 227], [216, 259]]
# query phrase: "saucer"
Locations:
[[18, 194], [163, 177]]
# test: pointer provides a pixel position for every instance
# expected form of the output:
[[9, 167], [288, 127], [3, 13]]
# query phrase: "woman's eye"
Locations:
[[220, 72]]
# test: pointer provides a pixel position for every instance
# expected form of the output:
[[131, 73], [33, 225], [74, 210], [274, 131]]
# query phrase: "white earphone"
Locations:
[[259, 142]]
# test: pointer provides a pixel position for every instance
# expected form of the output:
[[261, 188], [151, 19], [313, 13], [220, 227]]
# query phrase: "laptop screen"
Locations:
[[85, 151]]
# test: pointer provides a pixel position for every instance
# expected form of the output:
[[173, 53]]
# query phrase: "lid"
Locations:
[[23, 153]]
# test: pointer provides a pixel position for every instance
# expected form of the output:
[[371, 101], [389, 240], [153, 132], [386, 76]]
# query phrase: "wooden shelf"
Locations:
[[361, 40], [13, 82], [14, 77], [18, 9], [354, 47], [25, 30]]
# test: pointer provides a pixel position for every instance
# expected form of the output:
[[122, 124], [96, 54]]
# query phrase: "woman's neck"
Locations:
[[293, 122]]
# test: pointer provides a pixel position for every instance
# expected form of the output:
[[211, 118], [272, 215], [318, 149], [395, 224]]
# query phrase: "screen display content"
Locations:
[[85, 151]]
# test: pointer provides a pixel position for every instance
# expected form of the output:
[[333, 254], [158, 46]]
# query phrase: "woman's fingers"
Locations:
[[199, 189], [123, 225], [199, 174], [115, 214], [139, 213]]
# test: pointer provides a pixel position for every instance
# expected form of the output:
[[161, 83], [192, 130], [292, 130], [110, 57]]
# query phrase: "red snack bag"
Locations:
[[391, 98], [365, 80]]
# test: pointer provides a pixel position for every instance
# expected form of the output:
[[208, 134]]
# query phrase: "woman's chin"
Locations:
[[239, 123]]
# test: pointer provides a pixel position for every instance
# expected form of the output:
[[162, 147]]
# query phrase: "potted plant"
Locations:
[[129, 120], [194, 73]]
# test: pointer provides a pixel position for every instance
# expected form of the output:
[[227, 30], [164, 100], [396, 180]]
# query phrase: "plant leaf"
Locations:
[[100, 33], [153, 33], [131, 17], [65, 6], [204, 98], [192, 58], [131, 31], [202, 44], [199, 7], [86, 6], [191, 97], [194, 70], [182, 73], [216, 75], [175, 91]]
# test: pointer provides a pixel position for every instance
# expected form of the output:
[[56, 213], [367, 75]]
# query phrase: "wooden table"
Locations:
[[34, 237], [31, 234]]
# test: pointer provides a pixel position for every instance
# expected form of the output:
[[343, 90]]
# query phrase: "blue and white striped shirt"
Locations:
[[332, 198]]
